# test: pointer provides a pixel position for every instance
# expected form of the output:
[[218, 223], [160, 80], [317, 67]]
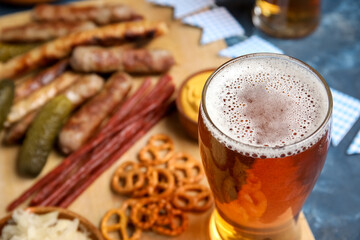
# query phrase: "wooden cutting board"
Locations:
[[184, 42]]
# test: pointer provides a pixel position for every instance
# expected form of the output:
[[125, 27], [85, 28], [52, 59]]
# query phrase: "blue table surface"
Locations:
[[333, 208]]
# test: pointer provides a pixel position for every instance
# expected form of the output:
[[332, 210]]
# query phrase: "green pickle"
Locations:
[[40, 137], [8, 51], [7, 89]]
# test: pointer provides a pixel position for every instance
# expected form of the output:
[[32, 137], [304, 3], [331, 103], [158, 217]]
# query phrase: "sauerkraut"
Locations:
[[29, 226]]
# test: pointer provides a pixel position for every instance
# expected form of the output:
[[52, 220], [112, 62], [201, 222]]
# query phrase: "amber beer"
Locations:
[[287, 18], [264, 133]]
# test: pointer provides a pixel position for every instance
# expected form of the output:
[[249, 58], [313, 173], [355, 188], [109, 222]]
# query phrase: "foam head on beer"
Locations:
[[266, 106]]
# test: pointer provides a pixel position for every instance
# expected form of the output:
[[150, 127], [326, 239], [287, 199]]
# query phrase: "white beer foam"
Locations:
[[263, 106]]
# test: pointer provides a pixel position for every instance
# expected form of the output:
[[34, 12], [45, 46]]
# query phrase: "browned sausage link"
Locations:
[[100, 14], [32, 84], [42, 31], [62, 47], [86, 87], [17, 131], [38, 98], [99, 59], [80, 127]]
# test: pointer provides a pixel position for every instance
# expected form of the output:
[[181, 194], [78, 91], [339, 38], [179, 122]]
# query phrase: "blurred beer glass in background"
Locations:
[[287, 18], [264, 133]]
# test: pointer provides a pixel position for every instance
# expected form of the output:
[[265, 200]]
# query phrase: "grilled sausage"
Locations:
[[42, 31], [43, 78], [62, 47], [86, 87], [40, 97], [99, 59], [100, 14], [82, 125]]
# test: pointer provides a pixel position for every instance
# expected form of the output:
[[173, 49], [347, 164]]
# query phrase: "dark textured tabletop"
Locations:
[[333, 208]]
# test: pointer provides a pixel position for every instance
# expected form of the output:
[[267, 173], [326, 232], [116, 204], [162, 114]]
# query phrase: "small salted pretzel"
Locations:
[[165, 184], [185, 168], [144, 213], [128, 177], [147, 189], [120, 226], [185, 199], [159, 150], [160, 182], [176, 224], [165, 213]]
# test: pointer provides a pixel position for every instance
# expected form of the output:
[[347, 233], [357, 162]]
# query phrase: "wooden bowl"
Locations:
[[190, 126], [94, 233]]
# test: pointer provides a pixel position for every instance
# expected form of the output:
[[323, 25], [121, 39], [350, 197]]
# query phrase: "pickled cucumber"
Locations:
[[8, 51], [41, 135], [7, 89]]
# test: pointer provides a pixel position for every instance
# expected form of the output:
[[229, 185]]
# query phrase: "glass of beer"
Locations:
[[287, 18], [264, 133]]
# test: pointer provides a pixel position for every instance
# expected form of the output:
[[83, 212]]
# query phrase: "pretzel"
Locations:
[[159, 150], [160, 183], [186, 169], [144, 213], [120, 226], [173, 227], [149, 185], [165, 182], [128, 177], [184, 199], [165, 212]]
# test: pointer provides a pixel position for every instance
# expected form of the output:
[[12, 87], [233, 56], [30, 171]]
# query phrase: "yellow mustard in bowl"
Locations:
[[191, 94]]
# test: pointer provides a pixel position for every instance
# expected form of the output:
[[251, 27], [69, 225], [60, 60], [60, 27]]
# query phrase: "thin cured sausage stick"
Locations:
[[43, 78], [95, 160], [151, 104], [51, 186], [62, 47], [94, 175], [48, 178], [127, 106], [98, 13]]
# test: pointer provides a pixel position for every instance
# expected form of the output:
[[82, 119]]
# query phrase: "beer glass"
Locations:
[[287, 18], [264, 133]]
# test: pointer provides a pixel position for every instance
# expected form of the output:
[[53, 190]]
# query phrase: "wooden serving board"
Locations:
[[183, 41]]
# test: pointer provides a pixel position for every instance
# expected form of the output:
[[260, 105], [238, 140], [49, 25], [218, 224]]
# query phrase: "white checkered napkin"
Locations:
[[346, 111], [355, 145], [253, 44], [216, 23], [184, 7]]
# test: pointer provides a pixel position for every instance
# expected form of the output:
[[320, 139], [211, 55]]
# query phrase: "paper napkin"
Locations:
[[346, 111], [216, 23], [184, 7], [355, 145], [253, 44]]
